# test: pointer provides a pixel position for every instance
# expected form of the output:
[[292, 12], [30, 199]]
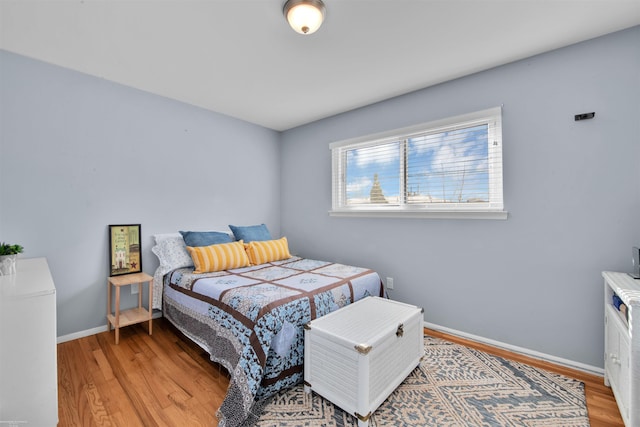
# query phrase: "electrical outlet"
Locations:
[[389, 282], [134, 288]]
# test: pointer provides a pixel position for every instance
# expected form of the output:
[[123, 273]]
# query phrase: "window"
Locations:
[[448, 168]]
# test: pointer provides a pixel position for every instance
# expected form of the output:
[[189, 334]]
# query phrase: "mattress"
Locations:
[[250, 320]]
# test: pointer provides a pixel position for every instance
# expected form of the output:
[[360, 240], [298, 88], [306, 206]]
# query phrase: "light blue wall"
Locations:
[[571, 189], [78, 153]]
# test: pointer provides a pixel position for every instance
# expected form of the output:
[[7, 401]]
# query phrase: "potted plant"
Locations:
[[8, 256]]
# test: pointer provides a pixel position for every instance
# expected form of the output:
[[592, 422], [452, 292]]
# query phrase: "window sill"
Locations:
[[432, 214]]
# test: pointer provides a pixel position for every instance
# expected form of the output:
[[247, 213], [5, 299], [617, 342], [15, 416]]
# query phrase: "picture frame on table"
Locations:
[[125, 251]]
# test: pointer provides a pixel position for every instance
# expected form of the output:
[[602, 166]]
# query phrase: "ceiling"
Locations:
[[240, 58]]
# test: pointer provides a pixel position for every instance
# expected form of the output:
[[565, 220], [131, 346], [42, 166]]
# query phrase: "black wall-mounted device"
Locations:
[[584, 116]]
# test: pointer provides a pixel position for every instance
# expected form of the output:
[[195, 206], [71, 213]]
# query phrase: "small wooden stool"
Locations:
[[134, 315]]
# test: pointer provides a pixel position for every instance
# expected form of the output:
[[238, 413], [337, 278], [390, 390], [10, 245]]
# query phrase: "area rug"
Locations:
[[453, 386]]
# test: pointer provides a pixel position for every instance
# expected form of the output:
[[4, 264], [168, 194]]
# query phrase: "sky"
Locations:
[[450, 166]]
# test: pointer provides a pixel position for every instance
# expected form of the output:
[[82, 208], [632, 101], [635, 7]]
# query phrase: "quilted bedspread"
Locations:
[[250, 320]]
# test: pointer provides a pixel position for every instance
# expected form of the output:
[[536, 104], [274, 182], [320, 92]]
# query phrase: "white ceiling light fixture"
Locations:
[[304, 16]]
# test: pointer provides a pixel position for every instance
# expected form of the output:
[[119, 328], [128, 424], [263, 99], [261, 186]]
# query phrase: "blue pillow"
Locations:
[[249, 233], [205, 238]]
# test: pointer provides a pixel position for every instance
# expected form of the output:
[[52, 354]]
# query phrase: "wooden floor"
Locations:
[[165, 380]]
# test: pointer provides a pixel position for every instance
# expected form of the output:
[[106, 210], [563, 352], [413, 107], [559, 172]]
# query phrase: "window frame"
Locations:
[[493, 209]]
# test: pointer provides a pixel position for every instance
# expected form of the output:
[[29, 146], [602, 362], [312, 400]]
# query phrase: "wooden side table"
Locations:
[[134, 315]]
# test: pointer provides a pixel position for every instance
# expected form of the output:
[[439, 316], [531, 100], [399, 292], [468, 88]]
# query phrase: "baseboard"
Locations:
[[88, 332], [594, 370]]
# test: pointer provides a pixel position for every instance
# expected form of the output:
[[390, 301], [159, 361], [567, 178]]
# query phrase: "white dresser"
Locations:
[[28, 354], [622, 343]]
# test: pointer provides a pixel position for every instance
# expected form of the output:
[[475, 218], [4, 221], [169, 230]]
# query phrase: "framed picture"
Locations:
[[124, 249]]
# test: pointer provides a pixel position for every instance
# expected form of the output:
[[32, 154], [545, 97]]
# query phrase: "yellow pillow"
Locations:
[[222, 256], [263, 251]]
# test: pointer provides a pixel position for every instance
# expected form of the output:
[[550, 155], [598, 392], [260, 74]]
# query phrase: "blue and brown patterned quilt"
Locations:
[[250, 320]]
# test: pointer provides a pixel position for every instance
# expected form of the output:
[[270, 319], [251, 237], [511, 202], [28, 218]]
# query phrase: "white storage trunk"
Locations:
[[357, 356]]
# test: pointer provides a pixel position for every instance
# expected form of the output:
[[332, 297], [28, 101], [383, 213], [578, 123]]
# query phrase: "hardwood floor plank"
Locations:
[[80, 379], [103, 364], [98, 411], [67, 403], [175, 374], [167, 380], [125, 369]]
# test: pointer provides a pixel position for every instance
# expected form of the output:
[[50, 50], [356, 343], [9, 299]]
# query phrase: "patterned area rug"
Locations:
[[453, 386]]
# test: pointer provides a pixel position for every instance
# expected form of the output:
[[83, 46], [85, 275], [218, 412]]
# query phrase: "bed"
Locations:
[[250, 319]]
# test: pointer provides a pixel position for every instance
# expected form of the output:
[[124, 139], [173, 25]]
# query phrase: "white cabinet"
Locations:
[[622, 345], [28, 353]]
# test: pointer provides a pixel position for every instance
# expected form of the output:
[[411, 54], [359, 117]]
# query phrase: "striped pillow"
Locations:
[[263, 251], [223, 256]]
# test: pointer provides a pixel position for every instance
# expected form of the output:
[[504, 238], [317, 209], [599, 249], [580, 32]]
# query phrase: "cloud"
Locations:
[[360, 186], [461, 149], [378, 155]]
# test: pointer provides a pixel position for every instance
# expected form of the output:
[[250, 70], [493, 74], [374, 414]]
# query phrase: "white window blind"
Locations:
[[451, 167]]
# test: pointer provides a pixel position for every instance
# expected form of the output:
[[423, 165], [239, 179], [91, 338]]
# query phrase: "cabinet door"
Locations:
[[28, 368], [625, 373], [29, 386], [617, 358], [612, 349]]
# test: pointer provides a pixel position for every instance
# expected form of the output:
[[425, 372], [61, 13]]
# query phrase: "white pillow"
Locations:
[[172, 253], [160, 237]]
